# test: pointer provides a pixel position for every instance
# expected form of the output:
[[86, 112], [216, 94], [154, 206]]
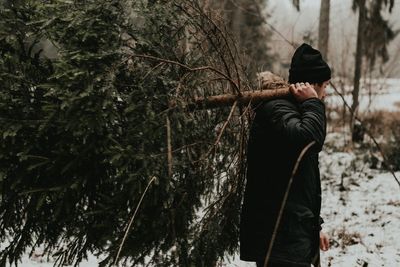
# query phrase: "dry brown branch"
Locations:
[[222, 130], [224, 37], [225, 124], [245, 98], [278, 220], [215, 45], [154, 68], [169, 146], [131, 220]]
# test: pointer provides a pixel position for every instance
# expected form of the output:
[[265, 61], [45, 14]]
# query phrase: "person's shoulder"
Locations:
[[276, 107], [279, 103]]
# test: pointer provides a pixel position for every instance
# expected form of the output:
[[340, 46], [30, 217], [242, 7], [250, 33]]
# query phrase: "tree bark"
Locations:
[[244, 98], [358, 64], [323, 32]]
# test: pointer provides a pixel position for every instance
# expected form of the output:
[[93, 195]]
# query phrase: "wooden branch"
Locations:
[[223, 127], [284, 200], [245, 98], [128, 227], [169, 146]]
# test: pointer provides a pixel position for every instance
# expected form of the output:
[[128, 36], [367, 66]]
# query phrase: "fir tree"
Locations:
[[85, 130]]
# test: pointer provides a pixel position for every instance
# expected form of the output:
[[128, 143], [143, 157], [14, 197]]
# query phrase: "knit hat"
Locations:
[[308, 66]]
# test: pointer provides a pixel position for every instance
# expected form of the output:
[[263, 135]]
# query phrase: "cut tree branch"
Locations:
[[225, 100]]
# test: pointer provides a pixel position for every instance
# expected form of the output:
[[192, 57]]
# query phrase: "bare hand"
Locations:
[[302, 91], [323, 241]]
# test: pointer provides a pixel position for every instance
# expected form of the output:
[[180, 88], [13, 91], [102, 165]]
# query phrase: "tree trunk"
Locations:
[[358, 65], [323, 34], [245, 98]]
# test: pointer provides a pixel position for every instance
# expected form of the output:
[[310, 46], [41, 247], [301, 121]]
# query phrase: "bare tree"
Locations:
[[323, 34], [373, 35], [358, 62]]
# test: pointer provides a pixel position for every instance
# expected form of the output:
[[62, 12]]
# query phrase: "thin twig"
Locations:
[[169, 147], [278, 220], [223, 128], [152, 69], [228, 46], [131, 221], [203, 68], [216, 47]]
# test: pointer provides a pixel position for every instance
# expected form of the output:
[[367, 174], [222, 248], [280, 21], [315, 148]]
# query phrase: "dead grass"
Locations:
[[348, 238]]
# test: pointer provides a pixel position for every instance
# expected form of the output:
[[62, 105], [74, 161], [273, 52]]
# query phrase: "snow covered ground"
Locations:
[[362, 215]]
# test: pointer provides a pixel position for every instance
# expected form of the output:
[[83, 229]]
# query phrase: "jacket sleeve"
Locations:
[[321, 221], [300, 125]]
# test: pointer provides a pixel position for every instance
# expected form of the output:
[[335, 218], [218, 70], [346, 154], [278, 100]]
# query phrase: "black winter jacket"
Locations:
[[280, 130]]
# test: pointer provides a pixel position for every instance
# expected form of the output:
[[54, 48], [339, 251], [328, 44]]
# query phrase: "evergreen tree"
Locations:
[[85, 132]]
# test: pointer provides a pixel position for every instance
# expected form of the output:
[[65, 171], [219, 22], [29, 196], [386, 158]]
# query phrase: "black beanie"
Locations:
[[308, 66]]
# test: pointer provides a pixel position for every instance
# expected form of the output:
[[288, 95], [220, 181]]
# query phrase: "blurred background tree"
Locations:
[[374, 33]]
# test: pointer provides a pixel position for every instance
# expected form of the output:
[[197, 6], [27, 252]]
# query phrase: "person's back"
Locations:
[[280, 130]]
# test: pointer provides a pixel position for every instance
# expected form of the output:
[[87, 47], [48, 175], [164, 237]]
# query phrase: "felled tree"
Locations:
[[85, 133]]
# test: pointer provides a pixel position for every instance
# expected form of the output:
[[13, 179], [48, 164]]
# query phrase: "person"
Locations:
[[280, 130]]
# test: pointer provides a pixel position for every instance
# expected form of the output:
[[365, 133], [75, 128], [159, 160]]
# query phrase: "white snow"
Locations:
[[362, 217]]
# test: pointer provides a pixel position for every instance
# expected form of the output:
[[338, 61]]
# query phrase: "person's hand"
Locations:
[[302, 91], [323, 241]]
